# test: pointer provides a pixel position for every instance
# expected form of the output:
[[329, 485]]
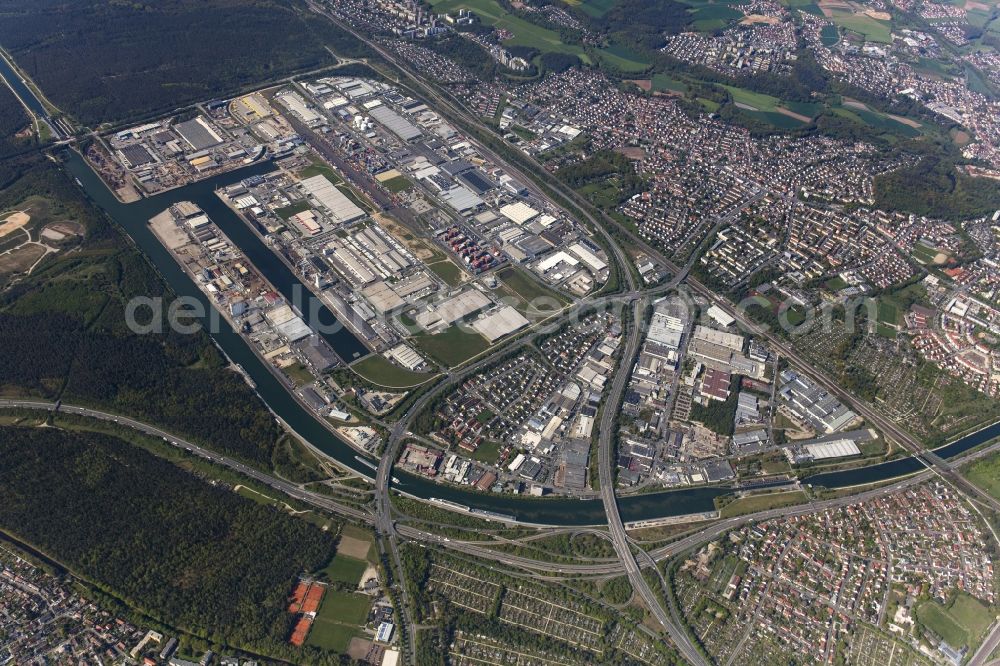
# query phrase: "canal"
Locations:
[[551, 511], [22, 90]]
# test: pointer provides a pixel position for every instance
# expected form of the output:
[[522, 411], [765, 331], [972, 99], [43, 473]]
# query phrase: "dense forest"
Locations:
[[13, 119], [65, 336], [192, 555], [642, 22], [110, 61], [598, 169], [934, 187], [472, 56], [718, 416]]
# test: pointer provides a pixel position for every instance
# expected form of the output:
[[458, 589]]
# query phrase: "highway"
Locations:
[[476, 548], [606, 467], [383, 521], [290, 489]]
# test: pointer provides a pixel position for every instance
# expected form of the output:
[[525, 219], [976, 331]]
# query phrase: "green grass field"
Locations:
[[963, 622], [756, 503], [526, 287], [712, 17], [398, 184], [888, 313], [340, 618], [294, 209], [451, 346], [379, 370], [876, 120], [873, 30], [299, 374], [829, 35], [525, 33], [318, 168], [488, 452], [664, 83], [623, 59], [985, 473], [331, 636], [765, 108], [447, 271], [363, 534], [923, 253], [345, 569], [885, 331], [344, 607], [763, 102], [596, 8], [836, 284], [977, 83]]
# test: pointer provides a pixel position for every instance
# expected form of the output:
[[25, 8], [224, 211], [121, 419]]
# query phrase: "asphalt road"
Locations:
[[987, 647], [606, 467], [290, 489]]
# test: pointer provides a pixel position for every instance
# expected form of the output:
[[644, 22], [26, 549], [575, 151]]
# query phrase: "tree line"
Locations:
[[111, 61], [191, 555], [65, 335]]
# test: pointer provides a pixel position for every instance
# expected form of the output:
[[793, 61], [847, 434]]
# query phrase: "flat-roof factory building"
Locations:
[[451, 310], [136, 155], [405, 356], [341, 209], [838, 448], [395, 123], [198, 133], [461, 198], [499, 323], [287, 323]]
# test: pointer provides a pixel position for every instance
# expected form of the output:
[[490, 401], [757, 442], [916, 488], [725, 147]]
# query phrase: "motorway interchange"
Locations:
[[631, 559]]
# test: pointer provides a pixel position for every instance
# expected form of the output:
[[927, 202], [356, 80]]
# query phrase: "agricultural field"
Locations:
[[769, 109], [623, 59], [525, 33], [873, 26], [862, 113]]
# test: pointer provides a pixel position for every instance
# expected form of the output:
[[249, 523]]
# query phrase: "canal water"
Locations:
[[21, 89], [551, 511]]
